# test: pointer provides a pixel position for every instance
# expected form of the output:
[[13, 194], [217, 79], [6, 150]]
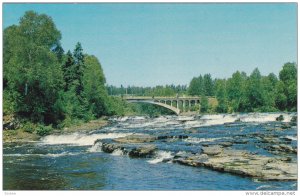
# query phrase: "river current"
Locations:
[[75, 161]]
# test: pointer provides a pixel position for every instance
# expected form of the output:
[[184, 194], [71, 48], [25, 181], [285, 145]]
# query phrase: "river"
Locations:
[[75, 161]]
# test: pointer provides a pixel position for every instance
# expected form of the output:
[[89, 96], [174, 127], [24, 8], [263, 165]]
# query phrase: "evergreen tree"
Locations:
[[68, 72], [79, 67]]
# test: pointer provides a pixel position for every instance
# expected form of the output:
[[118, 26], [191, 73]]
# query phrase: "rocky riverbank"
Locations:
[[15, 133], [220, 155]]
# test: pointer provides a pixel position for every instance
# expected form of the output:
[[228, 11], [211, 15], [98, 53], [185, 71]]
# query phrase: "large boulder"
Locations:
[[142, 151], [110, 147]]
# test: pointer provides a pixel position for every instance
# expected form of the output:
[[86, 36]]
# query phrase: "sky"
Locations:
[[146, 44]]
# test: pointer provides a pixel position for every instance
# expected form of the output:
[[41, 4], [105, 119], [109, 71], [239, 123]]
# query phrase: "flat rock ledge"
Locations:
[[218, 157], [242, 163], [139, 138]]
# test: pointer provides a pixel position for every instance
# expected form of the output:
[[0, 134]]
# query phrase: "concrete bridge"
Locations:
[[176, 104]]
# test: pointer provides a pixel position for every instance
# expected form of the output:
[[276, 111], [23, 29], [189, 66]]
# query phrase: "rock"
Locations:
[[110, 147], [142, 151], [136, 139], [294, 119], [287, 148], [181, 136], [270, 140], [286, 126], [10, 123], [163, 137], [286, 159], [242, 141], [212, 150], [280, 118], [225, 144], [282, 148], [245, 164], [234, 153]]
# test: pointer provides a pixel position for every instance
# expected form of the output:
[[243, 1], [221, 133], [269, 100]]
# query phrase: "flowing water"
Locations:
[[65, 162]]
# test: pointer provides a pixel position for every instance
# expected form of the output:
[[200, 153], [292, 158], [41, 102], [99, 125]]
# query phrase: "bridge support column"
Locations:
[[183, 105], [190, 105], [177, 103], [172, 103]]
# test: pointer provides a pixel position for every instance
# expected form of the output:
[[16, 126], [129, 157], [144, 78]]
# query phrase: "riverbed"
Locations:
[[79, 160]]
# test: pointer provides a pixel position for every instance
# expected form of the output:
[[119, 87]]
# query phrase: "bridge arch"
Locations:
[[176, 110]]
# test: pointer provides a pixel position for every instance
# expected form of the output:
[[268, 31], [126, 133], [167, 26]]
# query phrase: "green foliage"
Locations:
[[221, 95], [235, 87], [43, 130], [94, 87], [288, 72], [208, 85], [167, 90], [29, 127], [201, 86], [196, 86], [204, 104], [286, 89], [32, 73], [43, 85]]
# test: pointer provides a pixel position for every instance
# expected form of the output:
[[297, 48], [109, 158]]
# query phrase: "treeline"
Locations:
[[167, 90], [44, 85], [254, 93]]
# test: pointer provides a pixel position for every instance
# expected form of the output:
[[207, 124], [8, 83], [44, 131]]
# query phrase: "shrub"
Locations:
[[43, 130], [29, 127]]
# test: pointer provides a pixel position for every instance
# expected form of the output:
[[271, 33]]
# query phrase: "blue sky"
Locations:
[[158, 44]]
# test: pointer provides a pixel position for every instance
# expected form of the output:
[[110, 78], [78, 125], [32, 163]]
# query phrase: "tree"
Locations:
[[280, 96], [32, 72], [235, 90], [196, 86], [273, 79], [68, 72], [288, 72], [288, 87], [59, 51], [204, 104], [79, 67], [254, 92], [94, 86], [208, 85], [221, 96]]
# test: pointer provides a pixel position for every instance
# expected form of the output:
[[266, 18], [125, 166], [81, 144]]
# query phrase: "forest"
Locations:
[[46, 86], [239, 93]]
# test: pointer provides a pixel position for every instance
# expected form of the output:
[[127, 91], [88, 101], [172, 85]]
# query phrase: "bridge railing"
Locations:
[[132, 96]]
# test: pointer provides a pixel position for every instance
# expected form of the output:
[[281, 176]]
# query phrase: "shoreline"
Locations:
[[21, 136]]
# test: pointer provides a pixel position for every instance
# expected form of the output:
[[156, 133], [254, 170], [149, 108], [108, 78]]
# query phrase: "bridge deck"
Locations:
[[159, 98]]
